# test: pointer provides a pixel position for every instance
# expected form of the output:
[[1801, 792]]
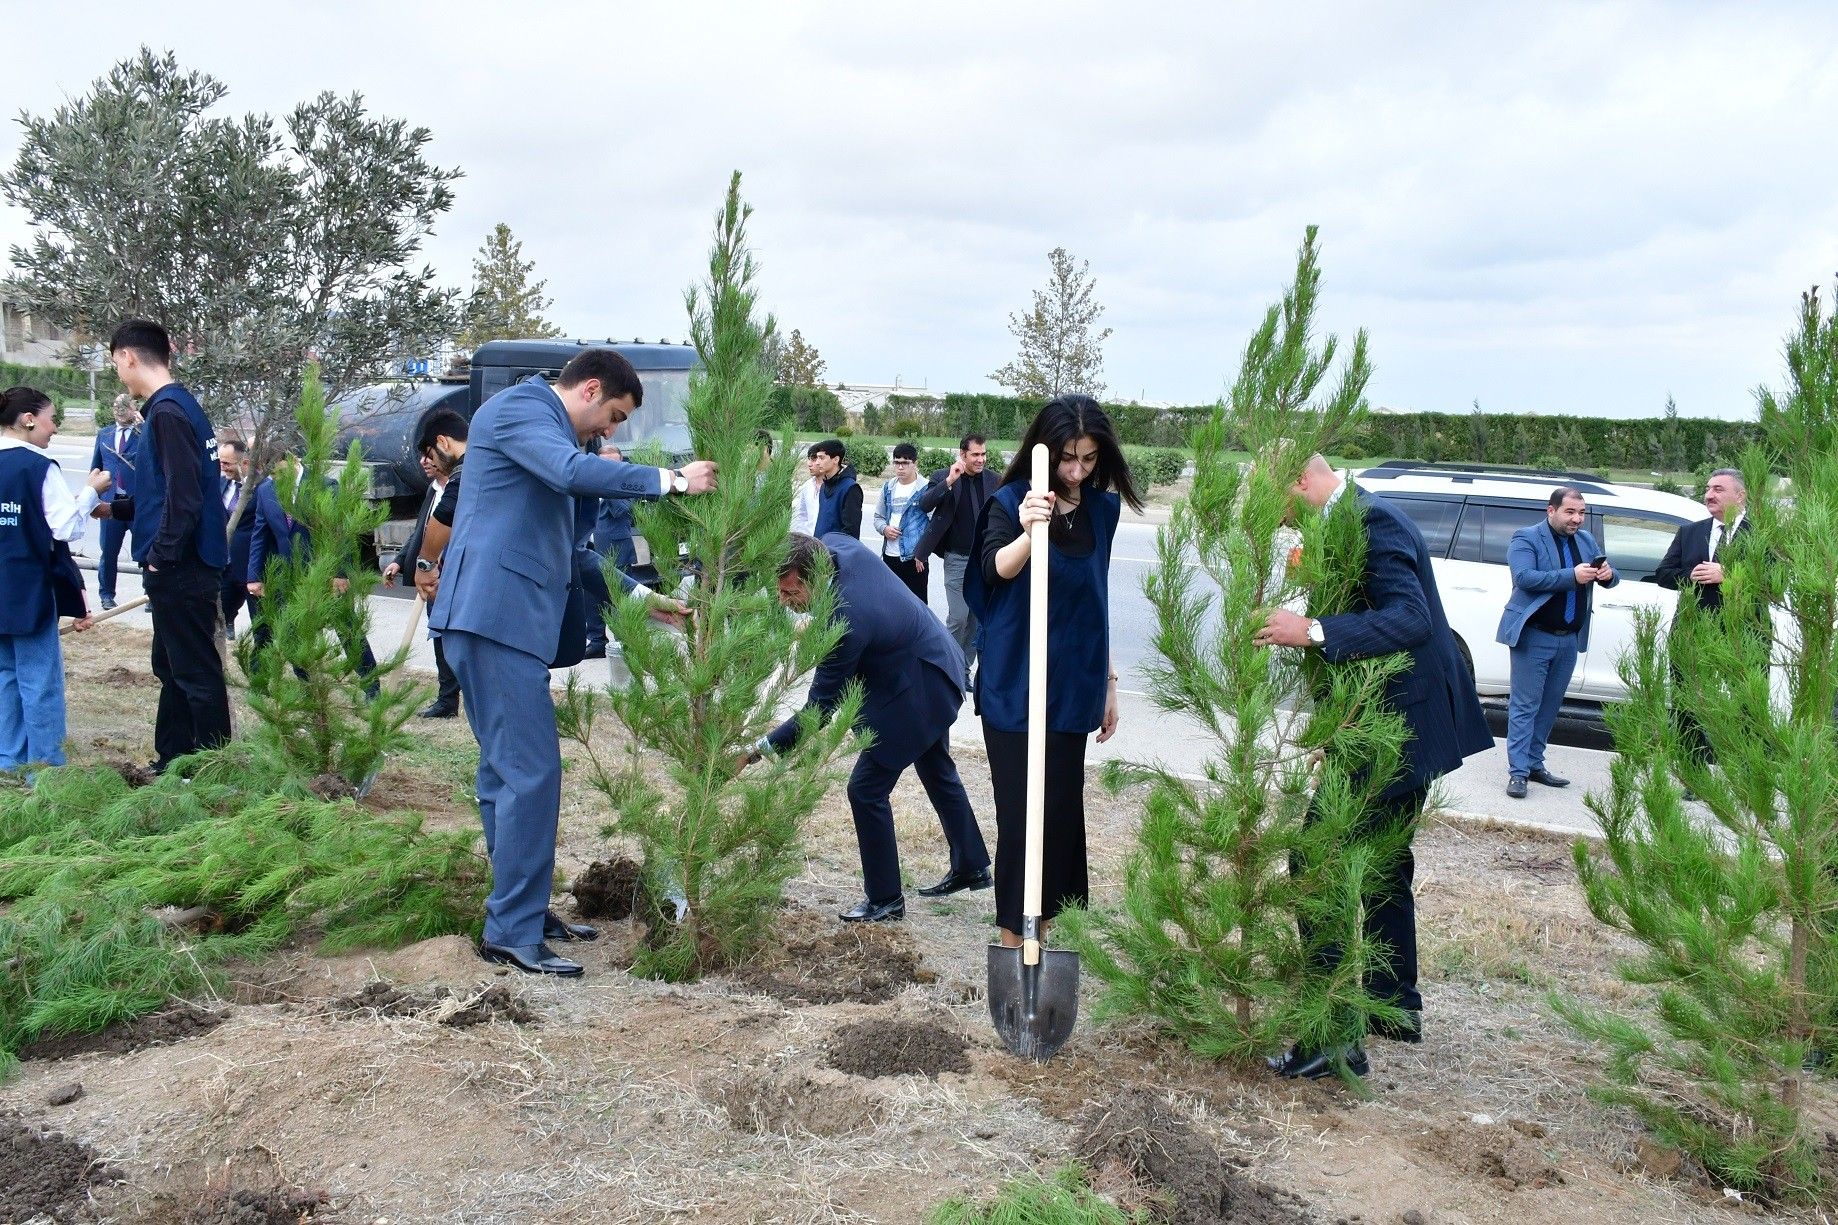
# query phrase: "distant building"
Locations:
[[29, 340]]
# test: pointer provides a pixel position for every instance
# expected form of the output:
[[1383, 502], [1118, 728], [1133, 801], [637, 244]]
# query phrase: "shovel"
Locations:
[[1034, 992]]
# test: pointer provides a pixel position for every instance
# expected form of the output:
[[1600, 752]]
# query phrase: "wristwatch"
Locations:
[[424, 566], [678, 482], [1316, 635]]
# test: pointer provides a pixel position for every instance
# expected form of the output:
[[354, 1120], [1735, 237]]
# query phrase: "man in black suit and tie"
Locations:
[[912, 676], [1402, 612], [446, 701], [1695, 562], [233, 467]]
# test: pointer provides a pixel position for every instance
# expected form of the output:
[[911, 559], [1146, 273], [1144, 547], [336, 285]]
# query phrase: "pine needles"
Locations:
[[90, 874], [1065, 1198]]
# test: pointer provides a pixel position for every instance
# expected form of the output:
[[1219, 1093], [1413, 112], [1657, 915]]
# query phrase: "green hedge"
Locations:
[[867, 455], [1155, 465], [807, 408]]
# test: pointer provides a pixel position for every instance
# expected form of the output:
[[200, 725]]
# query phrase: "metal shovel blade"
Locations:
[[1033, 1007]]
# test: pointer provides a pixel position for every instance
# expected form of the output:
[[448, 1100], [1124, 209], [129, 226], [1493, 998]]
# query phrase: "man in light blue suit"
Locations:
[[499, 610], [1546, 623]]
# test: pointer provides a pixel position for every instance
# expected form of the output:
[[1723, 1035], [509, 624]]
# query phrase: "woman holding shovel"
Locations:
[[1088, 481]]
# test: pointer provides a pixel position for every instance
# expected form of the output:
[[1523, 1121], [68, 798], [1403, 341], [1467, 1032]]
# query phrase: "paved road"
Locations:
[[1145, 733]]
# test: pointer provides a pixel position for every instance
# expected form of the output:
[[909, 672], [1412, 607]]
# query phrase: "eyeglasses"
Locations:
[[902, 461]]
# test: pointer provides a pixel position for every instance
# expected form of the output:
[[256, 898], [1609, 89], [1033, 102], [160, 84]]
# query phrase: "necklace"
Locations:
[[1072, 508]]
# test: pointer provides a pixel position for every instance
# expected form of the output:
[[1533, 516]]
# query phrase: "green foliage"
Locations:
[[256, 242], [86, 866], [931, 459], [724, 841], [1064, 1199], [307, 686], [800, 365], [1061, 350], [1737, 912], [504, 303], [868, 455], [64, 383], [811, 409], [1203, 940], [1155, 465]]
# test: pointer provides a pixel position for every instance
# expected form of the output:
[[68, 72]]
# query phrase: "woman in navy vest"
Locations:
[[38, 516], [1090, 482]]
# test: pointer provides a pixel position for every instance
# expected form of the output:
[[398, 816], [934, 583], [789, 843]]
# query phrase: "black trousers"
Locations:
[[232, 595], [1065, 875], [593, 580], [1391, 912], [194, 705], [910, 574], [449, 694], [869, 788]]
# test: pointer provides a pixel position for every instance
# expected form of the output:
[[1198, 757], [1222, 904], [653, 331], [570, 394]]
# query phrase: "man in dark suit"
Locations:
[[114, 454], [954, 498], [502, 596], [1694, 562], [1401, 612], [447, 699], [233, 464], [912, 680]]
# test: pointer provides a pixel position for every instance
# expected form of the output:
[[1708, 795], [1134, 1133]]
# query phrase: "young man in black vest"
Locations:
[[178, 541]]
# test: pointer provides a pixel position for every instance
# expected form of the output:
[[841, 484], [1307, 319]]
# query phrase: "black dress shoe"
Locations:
[[875, 912], [530, 958], [1299, 1064], [441, 710], [595, 650], [554, 927], [957, 882], [1409, 1030], [1515, 786], [1545, 778]]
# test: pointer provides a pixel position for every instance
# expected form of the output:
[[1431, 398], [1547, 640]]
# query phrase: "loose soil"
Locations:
[[725, 1102], [173, 1023], [608, 889], [44, 1174], [274, 1207], [877, 1047]]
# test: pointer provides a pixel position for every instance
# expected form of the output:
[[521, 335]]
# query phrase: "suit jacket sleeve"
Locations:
[[1671, 570], [1522, 556], [833, 675], [259, 546], [935, 492], [1398, 614], [95, 455], [565, 468]]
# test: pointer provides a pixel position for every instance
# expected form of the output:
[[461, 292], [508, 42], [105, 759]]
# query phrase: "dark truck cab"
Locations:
[[386, 418]]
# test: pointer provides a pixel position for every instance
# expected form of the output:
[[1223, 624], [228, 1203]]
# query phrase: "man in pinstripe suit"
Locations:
[[1401, 612]]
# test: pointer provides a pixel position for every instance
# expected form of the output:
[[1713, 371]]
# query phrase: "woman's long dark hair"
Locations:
[[1057, 425], [16, 402]]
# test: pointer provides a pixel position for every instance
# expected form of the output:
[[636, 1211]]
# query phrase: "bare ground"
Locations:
[[342, 1089]]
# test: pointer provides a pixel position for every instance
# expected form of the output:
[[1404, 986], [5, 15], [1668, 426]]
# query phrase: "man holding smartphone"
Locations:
[[1556, 567]]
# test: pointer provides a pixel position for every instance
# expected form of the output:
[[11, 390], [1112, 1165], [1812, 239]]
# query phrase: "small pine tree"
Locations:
[[1204, 940], [308, 687], [723, 842], [504, 304], [1738, 912]]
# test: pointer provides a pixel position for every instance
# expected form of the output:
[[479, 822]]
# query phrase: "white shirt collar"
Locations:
[[1335, 496], [8, 442]]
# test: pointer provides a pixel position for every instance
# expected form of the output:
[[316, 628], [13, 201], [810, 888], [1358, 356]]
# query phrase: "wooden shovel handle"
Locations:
[[99, 618], [1037, 566], [414, 622]]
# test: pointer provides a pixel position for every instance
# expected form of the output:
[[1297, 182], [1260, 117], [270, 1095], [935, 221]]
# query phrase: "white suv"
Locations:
[[1468, 514]]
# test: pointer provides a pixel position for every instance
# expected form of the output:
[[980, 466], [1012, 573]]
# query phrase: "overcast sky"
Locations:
[[1548, 208]]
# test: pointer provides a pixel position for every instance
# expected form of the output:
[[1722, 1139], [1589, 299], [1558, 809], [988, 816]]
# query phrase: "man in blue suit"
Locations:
[[912, 677], [114, 454], [233, 463], [1545, 624], [502, 594], [1402, 612]]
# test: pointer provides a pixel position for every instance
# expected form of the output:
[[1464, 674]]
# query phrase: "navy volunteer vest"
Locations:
[[829, 504], [1078, 625], [150, 483], [25, 542]]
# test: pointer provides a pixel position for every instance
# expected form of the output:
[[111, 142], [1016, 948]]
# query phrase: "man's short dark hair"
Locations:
[[233, 442], [146, 338], [970, 438], [905, 450], [442, 422], [829, 446], [801, 556], [1563, 493], [617, 378]]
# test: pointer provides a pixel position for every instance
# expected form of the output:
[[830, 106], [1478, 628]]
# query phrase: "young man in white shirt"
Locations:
[[900, 522]]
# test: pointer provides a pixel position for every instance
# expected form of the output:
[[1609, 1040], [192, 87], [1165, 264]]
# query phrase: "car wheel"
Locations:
[[1467, 659]]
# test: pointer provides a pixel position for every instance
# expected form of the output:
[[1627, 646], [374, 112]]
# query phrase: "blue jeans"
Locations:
[[31, 698], [1542, 665]]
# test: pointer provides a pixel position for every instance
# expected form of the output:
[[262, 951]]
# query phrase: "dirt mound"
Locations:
[[878, 1047], [1508, 1155], [275, 1207], [44, 1174], [173, 1023], [133, 773], [331, 787], [609, 889], [118, 677], [821, 960], [1139, 1137], [442, 1005], [798, 1101]]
